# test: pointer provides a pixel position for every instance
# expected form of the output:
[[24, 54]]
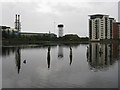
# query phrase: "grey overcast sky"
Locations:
[[40, 15]]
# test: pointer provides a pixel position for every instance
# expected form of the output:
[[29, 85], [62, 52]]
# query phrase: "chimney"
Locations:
[[18, 18], [16, 21]]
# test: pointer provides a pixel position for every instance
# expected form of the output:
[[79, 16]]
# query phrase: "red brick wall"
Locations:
[[115, 51], [115, 31]]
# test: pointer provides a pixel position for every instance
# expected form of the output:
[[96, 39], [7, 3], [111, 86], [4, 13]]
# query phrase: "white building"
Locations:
[[111, 21], [60, 30], [99, 27]]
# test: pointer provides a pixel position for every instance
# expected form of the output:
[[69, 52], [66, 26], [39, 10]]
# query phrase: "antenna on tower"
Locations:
[[54, 23], [54, 26]]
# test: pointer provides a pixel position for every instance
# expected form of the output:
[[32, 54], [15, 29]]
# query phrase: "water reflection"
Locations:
[[18, 59], [6, 51], [115, 51], [35, 72], [70, 55], [48, 57], [100, 56], [60, 51]]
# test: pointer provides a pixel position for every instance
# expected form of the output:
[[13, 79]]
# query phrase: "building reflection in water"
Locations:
[[6, 51], [48, 57], [18, 59], [60, 51], [70, 55], [100, 56], [115, 49]]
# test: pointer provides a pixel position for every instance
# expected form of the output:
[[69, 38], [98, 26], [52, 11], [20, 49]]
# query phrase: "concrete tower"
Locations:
[[60, 30]]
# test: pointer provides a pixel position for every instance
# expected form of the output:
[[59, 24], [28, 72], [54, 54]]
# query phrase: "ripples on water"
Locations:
[[92, 65]]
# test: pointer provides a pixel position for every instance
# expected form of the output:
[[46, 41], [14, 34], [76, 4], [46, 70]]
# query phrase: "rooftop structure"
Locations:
[[60, 25], [97, 16], [4, 27], [60, 30]]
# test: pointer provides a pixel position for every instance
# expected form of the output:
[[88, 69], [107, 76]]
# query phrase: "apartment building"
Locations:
[[116, 30], [100, 27]]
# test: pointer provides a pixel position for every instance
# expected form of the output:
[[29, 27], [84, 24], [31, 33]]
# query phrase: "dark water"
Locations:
[[62, 66]]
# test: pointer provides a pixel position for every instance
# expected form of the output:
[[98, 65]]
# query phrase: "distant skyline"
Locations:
[[42, 15]]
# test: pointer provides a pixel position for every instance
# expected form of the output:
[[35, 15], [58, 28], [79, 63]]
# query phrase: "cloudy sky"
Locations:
[[45, 15]]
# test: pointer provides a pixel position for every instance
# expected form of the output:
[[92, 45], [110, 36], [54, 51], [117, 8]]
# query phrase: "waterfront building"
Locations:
[[100, 27], [112, 20], [60, 30], [37, 34], [6, 28], [31, 34], [116, 30]]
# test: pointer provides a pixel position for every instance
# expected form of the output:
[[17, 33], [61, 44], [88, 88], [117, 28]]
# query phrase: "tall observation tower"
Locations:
[[60, 30], [17, 23]]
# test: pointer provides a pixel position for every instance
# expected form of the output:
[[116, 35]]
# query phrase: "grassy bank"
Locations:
[[19, 41], [29, 42]]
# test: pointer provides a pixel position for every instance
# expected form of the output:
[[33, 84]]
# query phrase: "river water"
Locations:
[[92, 65]]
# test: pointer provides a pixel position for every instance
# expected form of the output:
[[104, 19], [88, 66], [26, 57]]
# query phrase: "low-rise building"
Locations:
[[72, 37], [38, 34], [6, 28]]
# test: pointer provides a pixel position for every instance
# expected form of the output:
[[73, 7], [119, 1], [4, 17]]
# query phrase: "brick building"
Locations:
[[116, 30]]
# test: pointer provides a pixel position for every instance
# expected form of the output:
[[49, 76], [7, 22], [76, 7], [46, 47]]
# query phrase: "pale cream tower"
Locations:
[[60, 30]]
